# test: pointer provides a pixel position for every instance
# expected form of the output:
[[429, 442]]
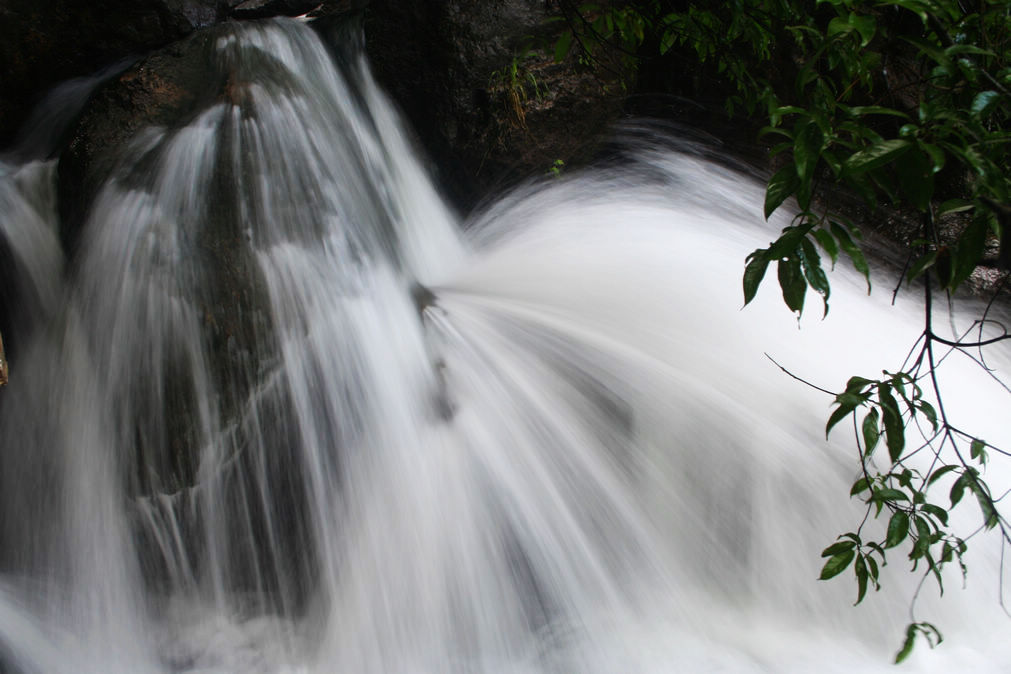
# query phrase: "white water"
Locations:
[[577, 459]]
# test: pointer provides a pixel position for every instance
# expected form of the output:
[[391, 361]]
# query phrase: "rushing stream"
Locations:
[[279, 411]]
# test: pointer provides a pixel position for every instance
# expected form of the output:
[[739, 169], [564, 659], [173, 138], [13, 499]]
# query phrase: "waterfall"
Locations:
[[281, 411]]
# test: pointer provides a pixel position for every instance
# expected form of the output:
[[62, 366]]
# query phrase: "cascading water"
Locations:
[[285, 415]]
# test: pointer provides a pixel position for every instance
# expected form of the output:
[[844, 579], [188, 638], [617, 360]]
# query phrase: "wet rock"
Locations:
[[478, 82], [260, 9], [42, 43]]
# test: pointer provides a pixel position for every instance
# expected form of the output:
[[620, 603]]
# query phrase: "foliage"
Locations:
[[907, 104], [517, 83]]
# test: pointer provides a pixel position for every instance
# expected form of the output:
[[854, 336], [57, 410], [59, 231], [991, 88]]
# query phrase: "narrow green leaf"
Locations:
[[921, 265], [858, 384], [792, 283], [871, 431], [983, 103], [836, 548], [863, 484], [562, 46], [890, 494], [847, 403], [936, 154], [754, 272], [806, 149], [898, 529], [957, 490], [895, 437], [937, 573], [860, 110], [780, 187], [837, 564], [828, 244], [877, 155], [810, 262], [968, 251], [940, 472], [668, 41], [954, 206], [907, 645], [937, 511], [929, 412], [860, 568], [990, 515], [850, 248]]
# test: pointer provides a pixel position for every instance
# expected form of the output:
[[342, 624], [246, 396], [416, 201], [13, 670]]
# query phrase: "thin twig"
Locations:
[[802, 381]]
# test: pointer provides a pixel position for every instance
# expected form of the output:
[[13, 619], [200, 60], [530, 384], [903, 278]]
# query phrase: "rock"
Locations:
[[165, 91], [42, 43], [260, 9], [449, 65]]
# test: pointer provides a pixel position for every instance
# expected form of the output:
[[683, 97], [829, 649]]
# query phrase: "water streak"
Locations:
[[286, 414]]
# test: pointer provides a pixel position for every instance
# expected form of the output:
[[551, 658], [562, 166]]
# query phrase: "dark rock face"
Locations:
[[43, 42], [123, 134], [259, 9], [479, 84], [160, 90]]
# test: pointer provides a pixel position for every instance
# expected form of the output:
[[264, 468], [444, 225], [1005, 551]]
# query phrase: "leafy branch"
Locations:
[[906, 104]]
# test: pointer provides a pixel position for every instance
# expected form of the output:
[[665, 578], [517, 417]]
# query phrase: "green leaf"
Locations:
[[898, 529], [977, 450], [957, 49], [828, 244], [968, 251], [847, 403], [781, 186], [754, 272], [936, 155], [837, 564], [562, 46], [806, 150], [865, 25], [937, 511], [957, 490], [990, 515], [859, 486], [851, 249], [860, 568], [954, 206], [983, 103], [895, 437], [921, 265], [871, 431], [836, 548], [940, 472], [838, 26], [860, 110], [810, 261], [791, 281], [915, 6], [907, 645], [928, 411], [857, 384], [877, 155], [889, 494], [667, 41]]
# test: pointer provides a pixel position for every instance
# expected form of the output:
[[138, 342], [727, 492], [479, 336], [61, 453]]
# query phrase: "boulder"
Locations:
[[45, 42]]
